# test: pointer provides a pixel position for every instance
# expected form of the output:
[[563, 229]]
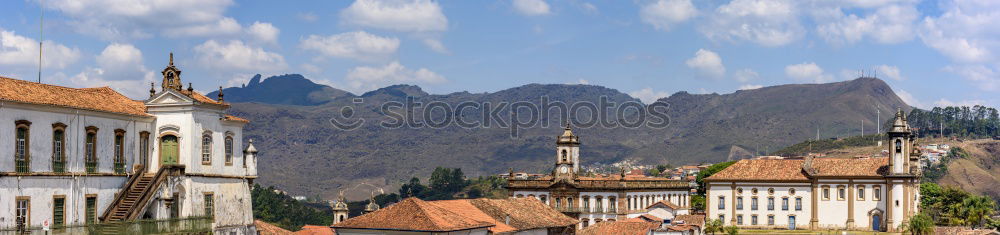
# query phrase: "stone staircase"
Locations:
[[130, 203]]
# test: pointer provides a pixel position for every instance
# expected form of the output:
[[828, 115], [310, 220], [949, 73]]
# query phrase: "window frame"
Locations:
[[22, 146], [798, 203], [825, 193], [739, 219], [753, 219], [876, 193], [770, 220], [841, 193], [861, 192], [784, 203], [91, 162], [90, 216], [144, 149], [118, 159], [27, 211], [739, 202], [59, 147], [228, 148], [770, 203], [206, 148], [754, 205], [722, 202], [209, 204], [60, 222]]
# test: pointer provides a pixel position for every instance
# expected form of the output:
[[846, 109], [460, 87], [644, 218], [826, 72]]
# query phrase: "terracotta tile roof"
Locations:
[[651, 218], [695, 220], [681, 227], [762, 169], [665, 203], [792, 169], [413, 214], [265, 228], [235, 119], [466, 209], [204, 99], [620, 228], [315, 230], [851, 166], [524, 213], [101, 99]]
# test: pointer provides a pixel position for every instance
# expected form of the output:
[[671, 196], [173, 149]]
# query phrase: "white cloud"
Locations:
[[745, 75], [95, 77], [888, 24], [909, 98], [358, 45], [531, 7], [396, 15], [986, 78], [122, 62], [20, 51], [224, 26], [264, 32], [965, 31], [236, 55], [311, 68], [589, 8], [663, 14], [708, 63], [891, 72], [648, 95], [364, 78], [750, 87], [117, 20], [807, 72], [765, 22], [436, 45]]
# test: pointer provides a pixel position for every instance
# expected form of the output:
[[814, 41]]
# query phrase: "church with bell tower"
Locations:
[[600, 198]]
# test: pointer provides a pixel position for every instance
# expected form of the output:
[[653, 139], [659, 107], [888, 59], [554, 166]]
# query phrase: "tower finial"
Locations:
[[220, 94], [152, 89], [171, 58]]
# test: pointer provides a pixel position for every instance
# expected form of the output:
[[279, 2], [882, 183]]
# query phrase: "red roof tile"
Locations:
[[524, 213], [101, 99], [696, 220], [792, 169], [413, 214], [265, 228], [620, 228], [666, 203], [315, 230]]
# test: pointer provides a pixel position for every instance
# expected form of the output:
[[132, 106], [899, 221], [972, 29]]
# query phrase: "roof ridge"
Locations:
[[87, 89]]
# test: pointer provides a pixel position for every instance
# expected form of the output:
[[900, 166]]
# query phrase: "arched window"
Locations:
[[899, 146], [206, 149], [119, 151], [90, 150], [229, 150], [58, 147], [22, 146], [564, 157]]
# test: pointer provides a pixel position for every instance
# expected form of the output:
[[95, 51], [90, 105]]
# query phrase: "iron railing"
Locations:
[[91, 166], [191, 225], [21, 165], [119, 168], [58, 166]]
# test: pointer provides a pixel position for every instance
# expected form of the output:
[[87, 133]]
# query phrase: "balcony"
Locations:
[[58, 166], [91, 167], [119, 168], [21, 166]]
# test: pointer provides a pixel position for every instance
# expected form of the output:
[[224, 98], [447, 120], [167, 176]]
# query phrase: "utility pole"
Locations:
[[862, 127]]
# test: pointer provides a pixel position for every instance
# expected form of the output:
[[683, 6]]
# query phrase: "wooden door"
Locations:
[[169, 150]]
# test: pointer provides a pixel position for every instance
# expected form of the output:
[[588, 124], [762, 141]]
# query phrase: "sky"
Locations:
[[932, 53]]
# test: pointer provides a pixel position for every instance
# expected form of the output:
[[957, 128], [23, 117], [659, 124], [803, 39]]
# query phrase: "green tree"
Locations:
[[921, 224], [698, 202], [713, 226], [732, 230], [975, 210], [711, 170]]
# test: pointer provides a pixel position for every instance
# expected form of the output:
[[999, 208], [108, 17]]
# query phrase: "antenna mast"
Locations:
[[41, 20]]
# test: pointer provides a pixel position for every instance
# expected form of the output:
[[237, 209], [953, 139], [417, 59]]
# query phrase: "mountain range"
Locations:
[[301, 152]]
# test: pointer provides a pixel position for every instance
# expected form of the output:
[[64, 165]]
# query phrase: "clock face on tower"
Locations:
[[563, 169]]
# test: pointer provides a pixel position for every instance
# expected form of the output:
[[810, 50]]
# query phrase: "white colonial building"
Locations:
[[91, 155], [597, 199], [876, 193]]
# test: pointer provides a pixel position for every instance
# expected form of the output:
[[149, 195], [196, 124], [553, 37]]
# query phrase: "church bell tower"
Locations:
[[172, 76], [567, 155], [901, 139]]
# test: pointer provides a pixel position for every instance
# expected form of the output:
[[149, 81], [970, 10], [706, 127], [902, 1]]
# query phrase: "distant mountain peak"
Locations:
[[399, 90], [293, 89]]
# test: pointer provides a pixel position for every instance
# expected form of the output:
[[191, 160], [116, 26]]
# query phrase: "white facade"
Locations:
[[225, 180]]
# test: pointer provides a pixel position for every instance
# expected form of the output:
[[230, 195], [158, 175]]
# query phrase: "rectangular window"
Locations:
[[798, 203], [739, 203], [586, 204], [229, 151], [22, 213], [753, 203], [770, 203], [90, 153], [209, 205], [722, 218], [612, 205], [784, 204], [770, 220], [841, 193], [861, 193], [21, 149], [90, 213], [58, 211], [119, 152], [722, 203], [826, 193], [600, 204], [206, 149], [753, 220], [739, 219], [58, 151], [143, 148], [876, 193]]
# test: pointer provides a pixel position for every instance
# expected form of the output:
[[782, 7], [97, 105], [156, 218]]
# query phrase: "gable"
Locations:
[[169, 97]]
